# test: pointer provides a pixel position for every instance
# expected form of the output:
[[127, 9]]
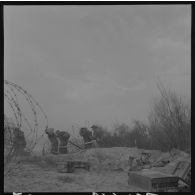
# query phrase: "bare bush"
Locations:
[[140, 134], [169, 127], [170, 121]]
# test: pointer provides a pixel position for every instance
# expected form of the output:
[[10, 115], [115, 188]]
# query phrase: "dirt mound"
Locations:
[[117, 158]]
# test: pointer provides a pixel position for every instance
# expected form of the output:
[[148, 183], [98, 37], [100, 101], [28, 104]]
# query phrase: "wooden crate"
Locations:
[[70, 166], [65, 167], [81, 164], [183, 171], [151, 181]]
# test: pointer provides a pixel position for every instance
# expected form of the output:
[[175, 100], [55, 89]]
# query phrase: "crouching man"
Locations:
[[87, 137], [63, 137]]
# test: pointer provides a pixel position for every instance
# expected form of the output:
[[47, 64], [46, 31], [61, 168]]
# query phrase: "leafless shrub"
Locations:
[[169, 126], [170, 121]]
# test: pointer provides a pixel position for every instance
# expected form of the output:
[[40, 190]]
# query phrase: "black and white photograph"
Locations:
[[97, 98]]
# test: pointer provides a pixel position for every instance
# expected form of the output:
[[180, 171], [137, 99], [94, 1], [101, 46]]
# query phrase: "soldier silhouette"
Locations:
[[53, 140], [87, 137], [63, 137], [19, 142]]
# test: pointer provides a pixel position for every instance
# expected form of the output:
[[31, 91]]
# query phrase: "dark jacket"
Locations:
[[63, 138], [54, 142]]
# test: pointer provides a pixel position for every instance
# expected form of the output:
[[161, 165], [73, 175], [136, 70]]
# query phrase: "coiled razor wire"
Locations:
[[12, 95]]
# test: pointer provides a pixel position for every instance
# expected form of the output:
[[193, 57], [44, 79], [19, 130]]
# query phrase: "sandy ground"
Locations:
[[109, 173], [32, 178]]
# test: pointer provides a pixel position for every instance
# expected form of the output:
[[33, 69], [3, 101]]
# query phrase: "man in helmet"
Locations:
[[87, 137], [19, 142], [53, 140], [97, 132], [63, 137]]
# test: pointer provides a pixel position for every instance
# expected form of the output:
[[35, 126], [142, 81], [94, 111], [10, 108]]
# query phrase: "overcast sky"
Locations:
[[97, 63]]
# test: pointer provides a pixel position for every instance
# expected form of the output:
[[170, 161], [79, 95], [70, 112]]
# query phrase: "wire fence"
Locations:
[[31, 121], [26, 114]]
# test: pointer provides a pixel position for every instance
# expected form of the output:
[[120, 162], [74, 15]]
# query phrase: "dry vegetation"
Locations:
[[168, 128]]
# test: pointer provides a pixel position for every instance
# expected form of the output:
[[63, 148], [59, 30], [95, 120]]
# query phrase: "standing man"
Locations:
[[98, 133], [53, 140], [63, 137], [19, 142]]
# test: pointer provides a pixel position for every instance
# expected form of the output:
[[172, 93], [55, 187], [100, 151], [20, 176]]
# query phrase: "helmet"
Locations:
[[49, 130], [94, 126], [66, 134], [83, 131], [57, 132]]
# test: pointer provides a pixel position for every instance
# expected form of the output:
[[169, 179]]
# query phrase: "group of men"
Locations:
[[60, 139]]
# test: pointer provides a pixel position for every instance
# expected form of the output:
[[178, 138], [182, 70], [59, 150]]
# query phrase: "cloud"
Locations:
[[70, 57], [167, 43], [184, 20], [93, 87], [98, 88], [176, 71]]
